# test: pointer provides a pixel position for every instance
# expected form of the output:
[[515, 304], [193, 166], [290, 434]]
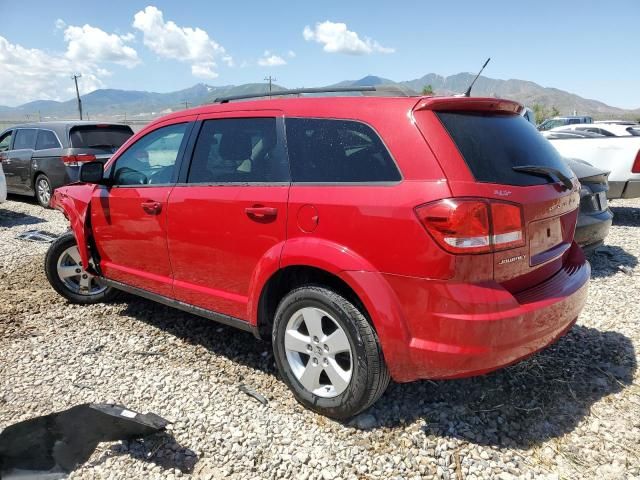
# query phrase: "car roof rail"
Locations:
[[300, 91]]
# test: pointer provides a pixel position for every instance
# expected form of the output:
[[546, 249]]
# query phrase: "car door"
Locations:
[[228, 212], [17, 166], [129, 217]]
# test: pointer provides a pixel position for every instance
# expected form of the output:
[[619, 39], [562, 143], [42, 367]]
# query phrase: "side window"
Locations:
[[25, 138], [238, 150], [334, 151], [151, 160], [47, 139], [5, 142]]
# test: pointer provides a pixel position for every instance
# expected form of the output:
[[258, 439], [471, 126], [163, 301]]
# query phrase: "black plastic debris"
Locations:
[[253, 393], [37, 236], [60, 442]]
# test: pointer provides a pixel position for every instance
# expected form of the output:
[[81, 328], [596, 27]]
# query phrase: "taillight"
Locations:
[[473, 225], [506, 220], [636, 164], [76, 160]]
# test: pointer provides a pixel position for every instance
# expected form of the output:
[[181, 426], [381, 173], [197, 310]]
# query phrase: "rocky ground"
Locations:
[[572, 411]]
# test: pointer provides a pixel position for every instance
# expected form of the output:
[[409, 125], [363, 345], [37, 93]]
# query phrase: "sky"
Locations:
[[163, 46]]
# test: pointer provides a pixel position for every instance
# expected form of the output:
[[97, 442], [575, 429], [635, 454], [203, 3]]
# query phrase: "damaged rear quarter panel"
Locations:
[[73, 201]]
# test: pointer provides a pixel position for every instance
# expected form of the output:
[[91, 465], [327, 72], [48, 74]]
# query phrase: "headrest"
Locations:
[[235, 146]]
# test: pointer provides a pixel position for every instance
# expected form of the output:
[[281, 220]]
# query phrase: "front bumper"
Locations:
[[463, 330], [3, 187]]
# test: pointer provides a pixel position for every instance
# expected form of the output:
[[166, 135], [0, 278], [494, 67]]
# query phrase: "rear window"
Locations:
[[337, 151], [492, 145], [108, 137]]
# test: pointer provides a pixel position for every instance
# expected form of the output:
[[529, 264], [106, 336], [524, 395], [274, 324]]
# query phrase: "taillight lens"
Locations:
[[76, 160], [507, 225], [636, 164], [473, 225]]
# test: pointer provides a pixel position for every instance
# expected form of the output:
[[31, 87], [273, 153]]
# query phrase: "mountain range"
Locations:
[[132, 104]]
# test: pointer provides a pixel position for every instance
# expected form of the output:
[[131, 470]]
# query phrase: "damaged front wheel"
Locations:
[[69, 278]]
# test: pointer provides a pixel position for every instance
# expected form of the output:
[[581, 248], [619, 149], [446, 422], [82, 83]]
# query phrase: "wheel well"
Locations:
[[290, 278]]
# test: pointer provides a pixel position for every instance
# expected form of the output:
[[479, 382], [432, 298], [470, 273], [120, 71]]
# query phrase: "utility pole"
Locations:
[[186, 104], [270, 79], [75, 78]]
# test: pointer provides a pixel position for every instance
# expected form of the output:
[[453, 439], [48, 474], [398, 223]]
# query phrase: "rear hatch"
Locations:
[[492, 155], [95, 142]]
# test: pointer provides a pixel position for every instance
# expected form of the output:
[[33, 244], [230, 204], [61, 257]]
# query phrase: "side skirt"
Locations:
[[170, 302]]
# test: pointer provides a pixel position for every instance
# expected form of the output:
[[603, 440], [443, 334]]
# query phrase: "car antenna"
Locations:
[[468, 92]]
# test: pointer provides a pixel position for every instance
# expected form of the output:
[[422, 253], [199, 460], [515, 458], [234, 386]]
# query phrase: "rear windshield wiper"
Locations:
[[552, 173]]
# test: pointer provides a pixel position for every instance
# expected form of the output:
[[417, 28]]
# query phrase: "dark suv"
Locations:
[[368, 238], [39, 157]]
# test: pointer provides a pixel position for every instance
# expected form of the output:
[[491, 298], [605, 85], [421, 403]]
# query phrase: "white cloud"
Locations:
[[29, 74], [291, 54], [168, 40], [336, 38], [33, 74], [271, 60], [90, 44]]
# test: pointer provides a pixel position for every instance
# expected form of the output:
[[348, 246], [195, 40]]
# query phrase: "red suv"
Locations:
[[368, 237]]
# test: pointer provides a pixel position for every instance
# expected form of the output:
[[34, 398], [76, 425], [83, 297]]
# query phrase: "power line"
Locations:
[[75, 78], [270, 79]]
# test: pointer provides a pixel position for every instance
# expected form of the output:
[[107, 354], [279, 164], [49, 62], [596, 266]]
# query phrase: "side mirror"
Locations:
[[91, 172]]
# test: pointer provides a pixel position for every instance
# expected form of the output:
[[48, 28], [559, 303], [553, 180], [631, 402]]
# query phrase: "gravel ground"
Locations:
[[572, 411]]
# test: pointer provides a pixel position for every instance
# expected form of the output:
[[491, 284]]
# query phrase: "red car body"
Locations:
[[438, 313]]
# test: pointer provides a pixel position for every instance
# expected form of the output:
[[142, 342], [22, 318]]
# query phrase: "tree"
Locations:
[[554, 111], [540, 112], [427, 90]]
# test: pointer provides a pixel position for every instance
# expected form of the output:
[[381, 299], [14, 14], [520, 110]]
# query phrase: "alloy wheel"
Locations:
[[74, 276], [43, 190], [318, 352]]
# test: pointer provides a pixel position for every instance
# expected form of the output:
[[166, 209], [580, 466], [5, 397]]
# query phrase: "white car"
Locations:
[[3, 185], [620, 155], [602, 128]]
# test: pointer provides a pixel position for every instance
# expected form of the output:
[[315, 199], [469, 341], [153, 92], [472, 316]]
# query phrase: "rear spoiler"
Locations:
[[473, 104]]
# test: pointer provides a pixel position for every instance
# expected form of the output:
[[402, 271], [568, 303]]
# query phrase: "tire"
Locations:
[[43, 191], [297, 350], [67, 277]]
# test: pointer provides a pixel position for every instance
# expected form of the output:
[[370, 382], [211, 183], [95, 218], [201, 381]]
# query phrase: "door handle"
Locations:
[[259, 212], [151, 207]]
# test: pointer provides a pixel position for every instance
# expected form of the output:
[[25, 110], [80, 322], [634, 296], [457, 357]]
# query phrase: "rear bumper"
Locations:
[[629, 189], [71, 175], [592, 229], [459, 330]]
